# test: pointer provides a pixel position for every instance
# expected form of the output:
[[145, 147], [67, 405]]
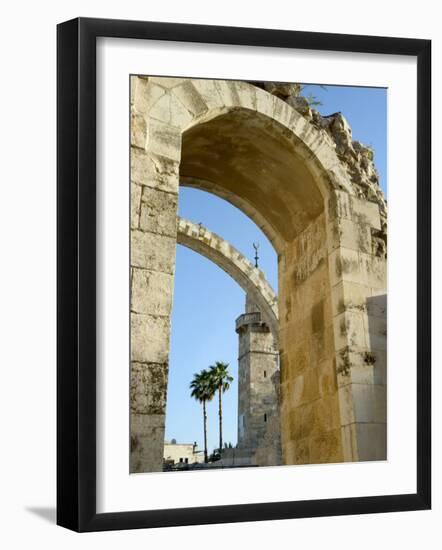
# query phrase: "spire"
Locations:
[[256, 246]]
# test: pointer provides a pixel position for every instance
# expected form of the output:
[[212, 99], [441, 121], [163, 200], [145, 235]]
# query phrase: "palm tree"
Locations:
[[220, 380], [203, 391]]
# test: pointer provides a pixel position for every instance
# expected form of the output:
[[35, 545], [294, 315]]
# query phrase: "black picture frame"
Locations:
[[76, 274]]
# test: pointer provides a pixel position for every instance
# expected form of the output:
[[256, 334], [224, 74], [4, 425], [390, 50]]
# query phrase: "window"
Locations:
[[181, 460], [265, 417], [265, 374], [186, 460]]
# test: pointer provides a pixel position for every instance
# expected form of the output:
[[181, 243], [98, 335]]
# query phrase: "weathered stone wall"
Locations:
[[155, 154], [184, 453], [333, 338], [311, 423], [358, 277]]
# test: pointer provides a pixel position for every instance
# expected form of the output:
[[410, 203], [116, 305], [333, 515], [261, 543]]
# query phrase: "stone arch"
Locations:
[[250, 278], [261, 154]]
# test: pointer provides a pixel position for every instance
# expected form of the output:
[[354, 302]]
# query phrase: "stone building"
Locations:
[[182, 453], [314, 192], [258, 389]]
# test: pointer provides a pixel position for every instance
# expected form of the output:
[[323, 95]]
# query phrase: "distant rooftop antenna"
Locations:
[[256, 246]]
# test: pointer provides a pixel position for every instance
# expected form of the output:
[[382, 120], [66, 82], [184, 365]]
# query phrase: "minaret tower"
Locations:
[[258, 389]]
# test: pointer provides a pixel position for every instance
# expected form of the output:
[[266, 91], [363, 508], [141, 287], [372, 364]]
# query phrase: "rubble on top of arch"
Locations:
[[356, 157]]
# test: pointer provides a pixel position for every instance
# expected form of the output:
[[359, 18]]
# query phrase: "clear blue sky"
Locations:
[[207, 301]]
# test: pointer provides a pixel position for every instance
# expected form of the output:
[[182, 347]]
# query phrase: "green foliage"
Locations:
[[312, 100], [215, 456], [220, 377], [370, 153], [202, 388]]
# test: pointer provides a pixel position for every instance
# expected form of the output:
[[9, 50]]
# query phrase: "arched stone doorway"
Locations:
[[258, 421], [255, 150]]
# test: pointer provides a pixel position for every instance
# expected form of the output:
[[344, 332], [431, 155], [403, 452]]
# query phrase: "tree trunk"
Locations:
[[220, 414], [205, 433]]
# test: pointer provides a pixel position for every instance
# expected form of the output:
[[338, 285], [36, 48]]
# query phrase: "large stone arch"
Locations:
[[255, 150], [250, 278]]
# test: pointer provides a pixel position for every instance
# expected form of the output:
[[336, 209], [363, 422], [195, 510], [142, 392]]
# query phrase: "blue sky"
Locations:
[[207, 301]]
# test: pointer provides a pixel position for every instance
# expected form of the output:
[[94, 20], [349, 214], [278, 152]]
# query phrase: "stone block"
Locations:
[[138, 131], [302, 420], [152, 292], [317, 317], [190, 98], [370, 402], [326, 447], [180, 116], [133, 87], [327, 378], [148, 388], [145, 94], [208, 92], [289, 451], [381, 398], [357, 367], [348, 234], [146, 442], [228, 93], [349, 329], [169, 110], [154, 171], [342, 205], [375, 270], [152, 251], [149, 338], [377, 304], [339, 206], [166, 82], [297, 357], [163, 139], [377, 333], [135, 202], [301, 452], [297, 391], [345, 265], [349, 296], [161, 109], [372, 441], [143, 424], [265, 102], [158, 212], [365, 212], [305, 388], [246, 94], [311, 386], [380, 366], [349, 443], [346, 407], [327, 414], [313, 289], [322, 345]]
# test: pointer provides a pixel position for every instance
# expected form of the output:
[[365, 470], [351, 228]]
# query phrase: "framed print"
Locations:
[[234, 206]]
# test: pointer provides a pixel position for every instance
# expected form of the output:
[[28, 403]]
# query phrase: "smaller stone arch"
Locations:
[[250, 278]]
